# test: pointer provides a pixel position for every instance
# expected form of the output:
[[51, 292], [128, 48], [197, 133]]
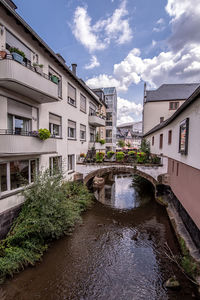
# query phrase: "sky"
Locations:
[[122, 43]]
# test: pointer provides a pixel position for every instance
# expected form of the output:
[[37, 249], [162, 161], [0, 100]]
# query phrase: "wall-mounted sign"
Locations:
[[183, 136]]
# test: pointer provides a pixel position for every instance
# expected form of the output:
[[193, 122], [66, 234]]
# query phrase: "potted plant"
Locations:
[[44, 134], [54, 78], [3, 54], [102, 142], [17, 55], [38, 68]]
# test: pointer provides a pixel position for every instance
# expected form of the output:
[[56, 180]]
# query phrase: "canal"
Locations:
[[117, 253]]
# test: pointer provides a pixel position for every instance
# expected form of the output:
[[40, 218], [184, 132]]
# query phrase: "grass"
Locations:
[[51, 209]]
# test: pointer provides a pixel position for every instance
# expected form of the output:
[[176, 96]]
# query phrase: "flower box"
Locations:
[[17, 57]]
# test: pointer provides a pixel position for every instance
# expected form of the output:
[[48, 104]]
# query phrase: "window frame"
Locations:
[[169, 137], [69, 99], [68, 132], [183, 138], [82, 131], [52, 165], [84, 111], [72, 163], [152, 140], [8, 175], [161, 141], [173, 105]]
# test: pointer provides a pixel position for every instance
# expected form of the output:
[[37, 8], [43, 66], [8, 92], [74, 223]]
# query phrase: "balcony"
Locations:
[[24, 80], [96, 121], [14, 144]]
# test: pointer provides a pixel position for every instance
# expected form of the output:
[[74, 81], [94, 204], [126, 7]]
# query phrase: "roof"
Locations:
[[187, 103], [48, 49], [109, 91], [168, 92], [128, 124]]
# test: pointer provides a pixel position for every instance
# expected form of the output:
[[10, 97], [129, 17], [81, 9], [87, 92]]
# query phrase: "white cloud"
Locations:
[[93, 63], [98, 36], [161, 21], [128, 111], [160, 25]]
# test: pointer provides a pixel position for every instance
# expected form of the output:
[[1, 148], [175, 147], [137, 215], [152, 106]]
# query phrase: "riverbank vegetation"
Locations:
[[51, 209]]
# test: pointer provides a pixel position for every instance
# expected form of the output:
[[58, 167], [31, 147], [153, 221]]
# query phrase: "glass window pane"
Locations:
[[3, 177], [19, 173], [33, 170]]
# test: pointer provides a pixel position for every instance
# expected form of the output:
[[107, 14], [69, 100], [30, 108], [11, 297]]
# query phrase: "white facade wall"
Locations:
[[61, 107], [192, 158], [153, 111]]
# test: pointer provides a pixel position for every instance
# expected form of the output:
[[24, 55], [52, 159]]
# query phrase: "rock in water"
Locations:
[[172, 283]]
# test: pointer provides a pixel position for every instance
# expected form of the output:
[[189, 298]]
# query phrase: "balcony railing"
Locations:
[[96, 120], [26, 80], [15, 142]]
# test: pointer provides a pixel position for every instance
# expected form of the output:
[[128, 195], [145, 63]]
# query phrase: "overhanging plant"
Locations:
[[44, 134], [16, 50]]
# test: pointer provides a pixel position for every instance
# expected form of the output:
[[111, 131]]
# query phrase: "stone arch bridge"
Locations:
[[157, 175]]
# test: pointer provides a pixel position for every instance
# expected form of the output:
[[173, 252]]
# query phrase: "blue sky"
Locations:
[[122, 43]]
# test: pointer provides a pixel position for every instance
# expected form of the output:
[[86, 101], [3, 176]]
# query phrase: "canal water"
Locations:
[[117, 253]]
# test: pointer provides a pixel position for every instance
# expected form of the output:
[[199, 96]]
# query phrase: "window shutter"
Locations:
[[12, 41], [71, 124], [19, 109], [54, 119], [71, 92]]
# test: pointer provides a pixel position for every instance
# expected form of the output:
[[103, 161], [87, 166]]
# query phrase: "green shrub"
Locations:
[[141, 157], [102, 142], [155, 159], [50, 210], [44, 134], [110, 154], [120, 156], [99, 156], [121, 143], [16, 50], [132, 153]]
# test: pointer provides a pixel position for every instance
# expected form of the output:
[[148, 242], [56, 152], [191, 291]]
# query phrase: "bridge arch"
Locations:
[[121, 169]]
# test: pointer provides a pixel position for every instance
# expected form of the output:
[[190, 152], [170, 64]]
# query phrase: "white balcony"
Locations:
[[96, 121], [25, 145], [26, 81]]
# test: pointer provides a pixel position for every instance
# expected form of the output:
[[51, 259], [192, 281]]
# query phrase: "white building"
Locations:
[[178, 139], [161, 104], [38, 91]]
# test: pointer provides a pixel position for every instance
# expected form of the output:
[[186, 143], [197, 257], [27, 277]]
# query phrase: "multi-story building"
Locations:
[[132, 126], [130, 133], [110, 96], [177, 138], [38, 90], [160, 104]]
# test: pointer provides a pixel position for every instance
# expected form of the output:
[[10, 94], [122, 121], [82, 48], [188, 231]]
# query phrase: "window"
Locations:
[[161, 119], [92, 109], [56, 78], [3, 178], [169, 137], [16, 174], [173, 105], [161, 141], [71, 129], [92, 134], [71, 95], [71, 162], [55, 123], [173, 166], [55, 164], [83, 103], [152, 142], [82, 132], [183, 136], [18, 125]]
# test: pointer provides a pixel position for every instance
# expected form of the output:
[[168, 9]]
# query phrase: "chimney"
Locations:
[[74, 66], [145, 92], [11, 4]]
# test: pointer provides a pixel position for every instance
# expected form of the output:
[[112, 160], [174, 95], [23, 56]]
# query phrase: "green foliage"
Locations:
[[120, 156], [44, 134], [128, 145], [155, 159], [16, 50], [51, 209], [99, 156], [132, 153], [141, 157], [188, 264], [121, 143], [145, 146], [102, 142], [110, 154]]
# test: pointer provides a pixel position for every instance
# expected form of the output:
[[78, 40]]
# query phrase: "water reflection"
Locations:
[[124, 192]]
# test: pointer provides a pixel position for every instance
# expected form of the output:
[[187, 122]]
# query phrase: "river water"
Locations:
[[117, 253]]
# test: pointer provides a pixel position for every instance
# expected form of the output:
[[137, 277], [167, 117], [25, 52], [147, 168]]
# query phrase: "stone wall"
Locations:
[[7, 218]]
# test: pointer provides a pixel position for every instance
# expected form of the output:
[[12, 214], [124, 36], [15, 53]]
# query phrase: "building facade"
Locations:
[[131, 134], [38, 91], [160, 104], [110, 97], [177, 138]]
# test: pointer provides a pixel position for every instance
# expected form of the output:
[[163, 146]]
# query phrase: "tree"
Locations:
[[121, 143], [145, 147]]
